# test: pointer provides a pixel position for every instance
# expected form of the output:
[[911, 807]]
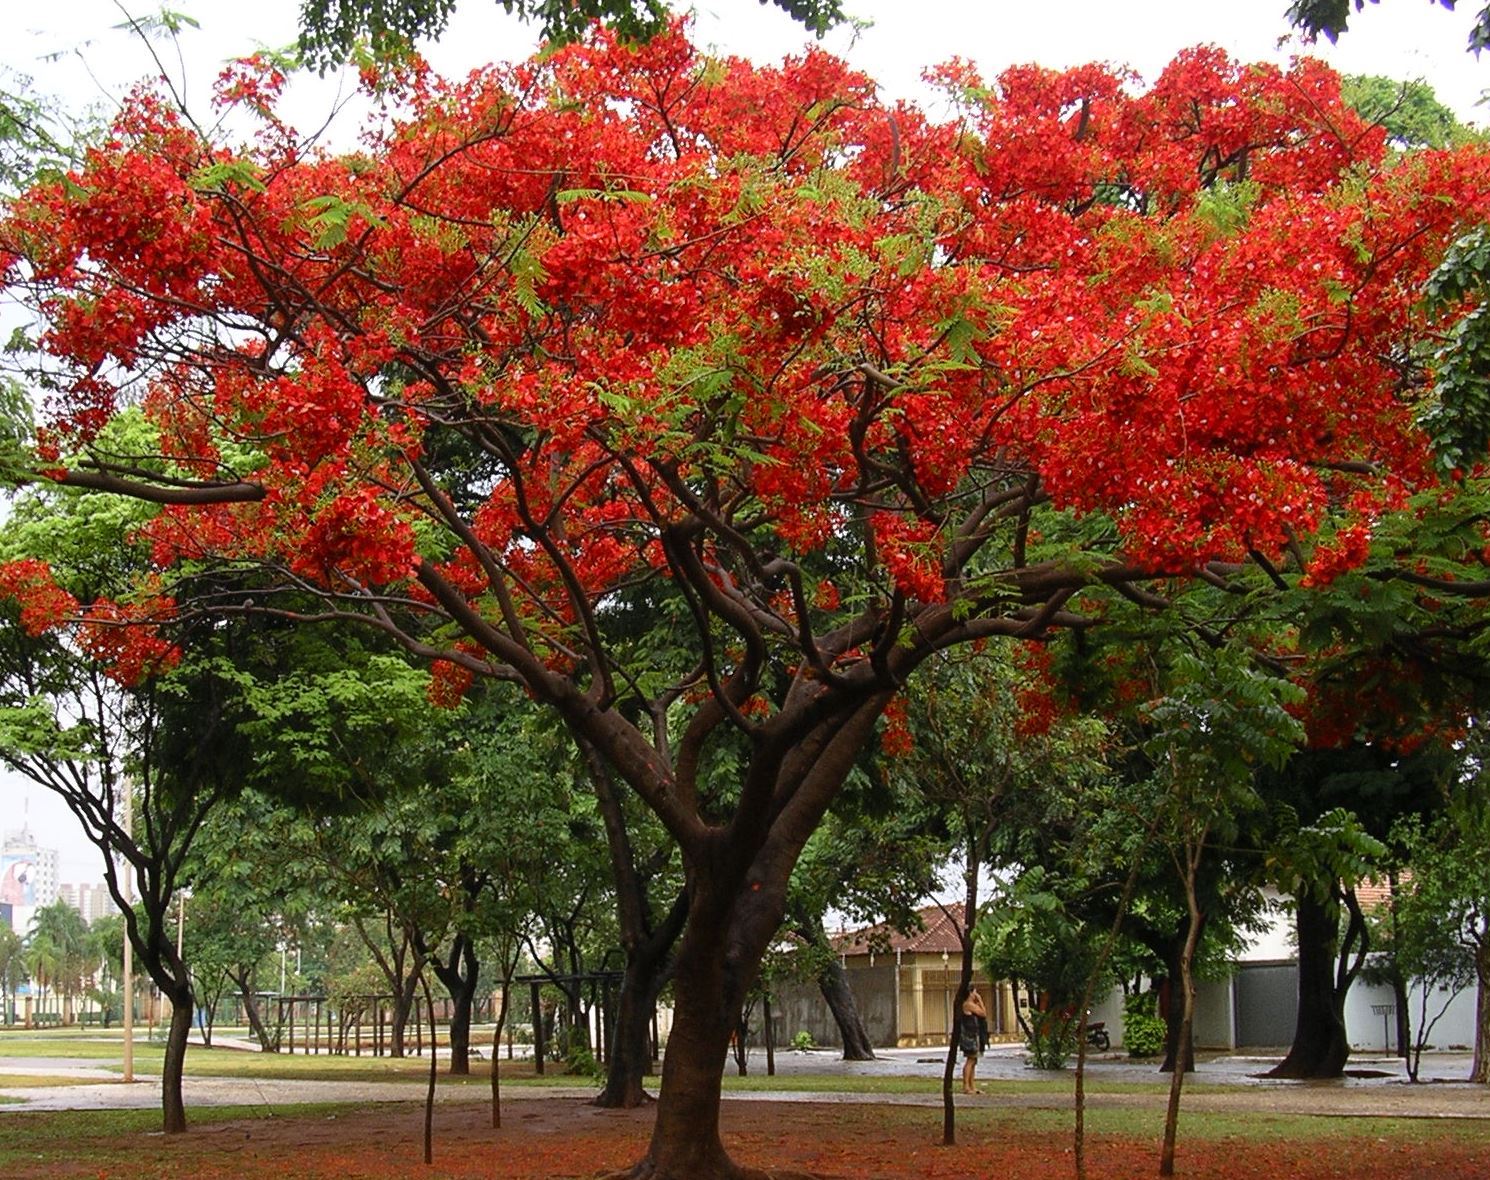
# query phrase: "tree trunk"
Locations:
[[834, 984], [646, 972], [1320, 1048], [251, 1011], [685, 1139], [460, 1031], [173, 1107], [977, 845], [1175, 1034], [496, 1052], [403, 1006], [717, 962], [1403, 1020], [631, 1038], [1479, 1071], [1194, 921], [1399, 980], [460, 977]]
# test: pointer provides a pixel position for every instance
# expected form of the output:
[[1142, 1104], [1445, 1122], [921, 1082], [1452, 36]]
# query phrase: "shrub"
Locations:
[[1052, 1040], [803, 1040], [581, 1062], [1144, 1029]]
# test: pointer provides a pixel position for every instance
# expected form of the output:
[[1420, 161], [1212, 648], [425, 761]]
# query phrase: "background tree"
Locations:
[[878, 854], [983, 740], [57, 955], [1218, 723], [331, 30], [1443, 915], [1409, 111], [1413, 948], [98, 713], [243, 908], [1320, 863], [12, 970], [106, 937], [1332, 17]]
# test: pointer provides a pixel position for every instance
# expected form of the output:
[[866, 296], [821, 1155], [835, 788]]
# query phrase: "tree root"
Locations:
[[646, 1170]]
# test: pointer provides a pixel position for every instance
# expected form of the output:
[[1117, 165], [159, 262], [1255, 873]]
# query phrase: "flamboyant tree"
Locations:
[[843, 385]]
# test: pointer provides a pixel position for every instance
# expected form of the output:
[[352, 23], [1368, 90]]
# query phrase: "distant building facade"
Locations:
[[90, 899], [904, 984]]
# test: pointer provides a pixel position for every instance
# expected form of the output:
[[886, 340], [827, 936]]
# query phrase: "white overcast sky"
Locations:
[[71, 49]]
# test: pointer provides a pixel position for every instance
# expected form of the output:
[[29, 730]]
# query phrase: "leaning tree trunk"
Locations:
[[1320, 1048], [403, 1007], [251, 1011], [157, 956], [834, 985]]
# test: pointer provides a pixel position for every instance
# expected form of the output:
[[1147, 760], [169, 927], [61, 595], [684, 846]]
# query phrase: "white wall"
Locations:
[[1454, 1030], [1275, 941]]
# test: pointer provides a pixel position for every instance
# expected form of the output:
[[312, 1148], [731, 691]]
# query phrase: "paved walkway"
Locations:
[[1229, 1083]]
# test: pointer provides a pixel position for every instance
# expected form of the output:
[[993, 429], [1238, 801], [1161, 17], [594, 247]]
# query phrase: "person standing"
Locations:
[[972, 1036]]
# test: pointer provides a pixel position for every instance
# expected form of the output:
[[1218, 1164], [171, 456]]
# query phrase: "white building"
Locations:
[[92, 900]]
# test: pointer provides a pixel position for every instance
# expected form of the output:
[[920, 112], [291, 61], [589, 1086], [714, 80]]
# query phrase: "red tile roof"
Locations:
[[1373, 895], [939, 933]]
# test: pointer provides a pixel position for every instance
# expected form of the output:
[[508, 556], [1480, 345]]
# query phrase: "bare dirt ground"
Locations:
[[544, 1138]]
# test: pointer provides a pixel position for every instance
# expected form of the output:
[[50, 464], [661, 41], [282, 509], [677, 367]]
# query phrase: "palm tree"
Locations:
[[58, 952]]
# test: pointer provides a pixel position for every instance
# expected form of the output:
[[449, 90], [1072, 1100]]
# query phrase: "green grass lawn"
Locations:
[[38, 1136], [1244, 1126], [20, 1081]]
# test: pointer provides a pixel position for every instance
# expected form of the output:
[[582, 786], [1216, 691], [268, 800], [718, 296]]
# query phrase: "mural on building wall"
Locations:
[[17, 879]]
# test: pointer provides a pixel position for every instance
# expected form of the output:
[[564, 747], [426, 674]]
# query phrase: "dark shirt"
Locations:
[[973, 1027]]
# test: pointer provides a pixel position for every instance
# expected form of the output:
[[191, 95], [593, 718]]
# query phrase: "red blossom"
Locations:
[[43, 604]]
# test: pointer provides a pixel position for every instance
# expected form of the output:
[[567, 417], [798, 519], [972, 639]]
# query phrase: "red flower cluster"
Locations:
[[43, 604]]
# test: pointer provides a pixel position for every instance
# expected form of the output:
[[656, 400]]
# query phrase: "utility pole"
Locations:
[[129, 988]]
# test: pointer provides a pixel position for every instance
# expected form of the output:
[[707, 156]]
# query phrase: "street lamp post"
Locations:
[[129, 994]]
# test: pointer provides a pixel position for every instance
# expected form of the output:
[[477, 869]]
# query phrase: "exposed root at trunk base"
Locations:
[[646, 1170], [645, 1100]]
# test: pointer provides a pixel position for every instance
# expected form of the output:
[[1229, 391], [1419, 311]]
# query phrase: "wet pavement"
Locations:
[[1376, 1086]]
